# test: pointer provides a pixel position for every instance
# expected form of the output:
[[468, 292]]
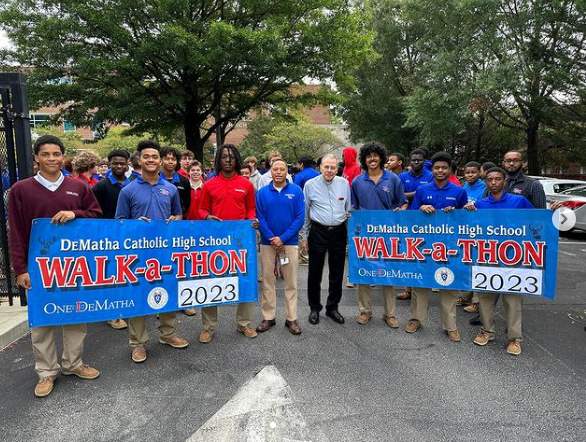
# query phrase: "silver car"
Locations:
[[575, 199]]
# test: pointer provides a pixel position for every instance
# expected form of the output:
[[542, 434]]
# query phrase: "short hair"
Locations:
[[514, 151], [246, 166], [48, 139], [372, 148], [103, 162], [167, 150], [399, 156], [218, 157], [195, 163], [328, 156], [499, 170], [118, 153], [187, 154], [418, 152], [148, 144], [67, 164], [274, 153], [85, 161], [487, 165], [250, 159], [134, 160], [306, 161], [282, 160], [472, 164], [442, 156], [425, 151]]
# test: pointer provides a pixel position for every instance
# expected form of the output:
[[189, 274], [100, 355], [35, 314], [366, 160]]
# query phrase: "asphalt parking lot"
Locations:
[[334, 382]]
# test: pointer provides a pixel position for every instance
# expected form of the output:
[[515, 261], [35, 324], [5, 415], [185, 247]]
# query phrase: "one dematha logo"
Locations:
[[444, 276], [158, 298]]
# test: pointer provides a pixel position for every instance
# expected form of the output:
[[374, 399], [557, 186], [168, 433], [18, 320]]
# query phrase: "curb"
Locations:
[[13, 327]]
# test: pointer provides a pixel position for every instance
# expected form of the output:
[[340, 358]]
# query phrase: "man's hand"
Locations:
[[62, 217], [348, 215], [448, 209], [304, 245], [427, 208], [174, 218], [24, 281], [403, 207], [556, 205], [471, 207], [255, 224], [144, 218], [212, 218], [276, 243]]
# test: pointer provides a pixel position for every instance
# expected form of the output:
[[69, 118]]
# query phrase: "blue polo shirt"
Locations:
[[386, 194], [153, 201], [305, 175], [476, 191], [280, 213], [427, 165], [412, 182], [115, 182], [439, 197], [507, 201]]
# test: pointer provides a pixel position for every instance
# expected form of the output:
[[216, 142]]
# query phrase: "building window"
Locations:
[[38, 120], [68, 126]]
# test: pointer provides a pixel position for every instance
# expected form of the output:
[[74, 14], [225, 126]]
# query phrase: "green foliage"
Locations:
[[474, 77], [194, 65], [292, 135]]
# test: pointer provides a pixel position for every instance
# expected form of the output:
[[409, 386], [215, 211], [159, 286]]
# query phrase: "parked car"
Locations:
[[575, 199], [553, 186]]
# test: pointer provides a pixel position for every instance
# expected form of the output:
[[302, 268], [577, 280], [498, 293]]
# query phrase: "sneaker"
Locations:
[[483, 338], [139, 354], [454, 335], [190, 312], [363, 318], [412, 326], [205, 336], [514, 348], [174, 341], [247, 331], [118, 324], [472, 308], [391, 321], [83, 371], [44, 387]]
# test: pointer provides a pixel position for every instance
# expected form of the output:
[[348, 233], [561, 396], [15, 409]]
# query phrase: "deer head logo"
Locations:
[[238, 240], [535, 230], [358, 229], [46, 245]]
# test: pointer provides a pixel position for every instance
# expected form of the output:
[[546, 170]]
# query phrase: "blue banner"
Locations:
[[509, 251], [96, 270]]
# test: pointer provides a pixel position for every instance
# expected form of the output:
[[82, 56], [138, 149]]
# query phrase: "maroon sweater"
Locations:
[[29, 199]]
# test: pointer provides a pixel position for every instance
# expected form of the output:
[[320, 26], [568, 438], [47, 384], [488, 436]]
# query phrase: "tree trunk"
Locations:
[[193, 139], [533, 148]]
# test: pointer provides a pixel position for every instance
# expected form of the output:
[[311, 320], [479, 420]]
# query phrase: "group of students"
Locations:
[[309, 212]]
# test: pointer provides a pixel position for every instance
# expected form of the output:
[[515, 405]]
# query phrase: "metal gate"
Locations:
[[16, 162]]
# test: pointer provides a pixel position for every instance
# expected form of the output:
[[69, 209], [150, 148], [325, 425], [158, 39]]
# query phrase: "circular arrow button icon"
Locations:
[[564, 219]]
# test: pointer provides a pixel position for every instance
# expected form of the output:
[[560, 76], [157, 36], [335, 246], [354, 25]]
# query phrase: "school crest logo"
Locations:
[[444, 276], [165, 192], [157, 298]]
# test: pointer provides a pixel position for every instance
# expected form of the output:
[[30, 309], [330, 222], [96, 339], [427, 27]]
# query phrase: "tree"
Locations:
[[199, 65]]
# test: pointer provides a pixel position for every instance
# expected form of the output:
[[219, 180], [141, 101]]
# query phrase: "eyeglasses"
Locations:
[[512, 161]]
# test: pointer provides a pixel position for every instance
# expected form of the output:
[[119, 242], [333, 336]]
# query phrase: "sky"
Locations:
[[3, 39]]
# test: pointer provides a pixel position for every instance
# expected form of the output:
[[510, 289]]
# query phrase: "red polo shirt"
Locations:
[[228, 198]]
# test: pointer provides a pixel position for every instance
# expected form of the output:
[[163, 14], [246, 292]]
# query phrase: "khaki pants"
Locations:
[[365, 300], [45, 350], [420, 301], [209, 316], [268, 303], [512, 304], [470, 297], [138, 330]]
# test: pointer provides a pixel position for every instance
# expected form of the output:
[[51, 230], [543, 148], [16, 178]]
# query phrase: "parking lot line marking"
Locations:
[[567, 253], [262, 410]]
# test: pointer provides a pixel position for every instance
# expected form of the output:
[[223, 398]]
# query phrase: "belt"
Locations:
[[329, 228]]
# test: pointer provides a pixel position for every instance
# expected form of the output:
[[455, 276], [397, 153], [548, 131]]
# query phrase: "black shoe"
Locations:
[[314, 317], [336, 316], [475, 320]]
